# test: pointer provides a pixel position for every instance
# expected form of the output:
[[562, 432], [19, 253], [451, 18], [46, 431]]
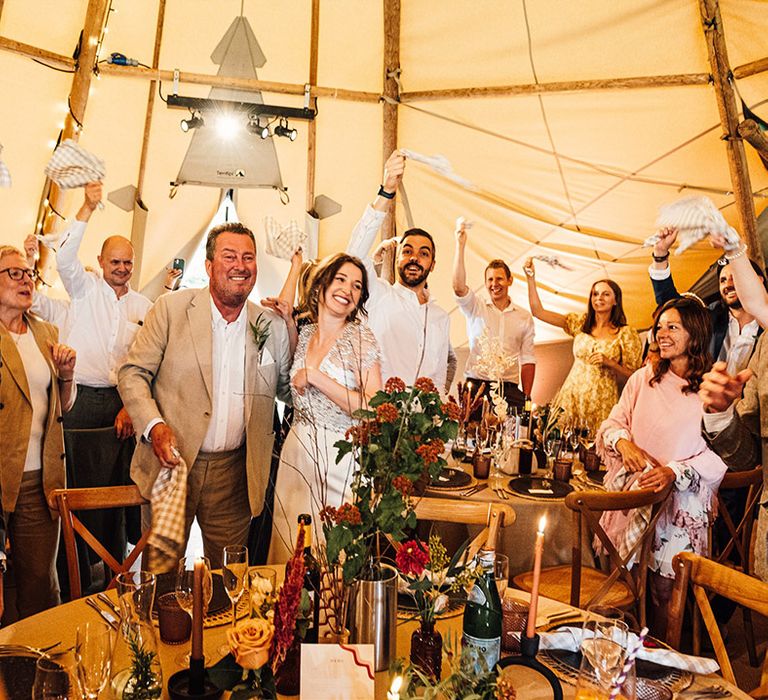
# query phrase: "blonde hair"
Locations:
[[10, 250]]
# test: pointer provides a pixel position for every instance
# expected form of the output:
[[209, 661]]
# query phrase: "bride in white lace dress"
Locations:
[[336, 366]]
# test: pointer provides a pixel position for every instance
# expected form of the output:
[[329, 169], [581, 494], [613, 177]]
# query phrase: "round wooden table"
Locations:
[[60, 624]]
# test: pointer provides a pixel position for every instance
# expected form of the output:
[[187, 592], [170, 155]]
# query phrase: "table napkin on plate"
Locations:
[[169, 498], [569, 639], [72, 166]]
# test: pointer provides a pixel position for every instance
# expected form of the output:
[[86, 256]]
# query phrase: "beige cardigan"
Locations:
[[16, 417]]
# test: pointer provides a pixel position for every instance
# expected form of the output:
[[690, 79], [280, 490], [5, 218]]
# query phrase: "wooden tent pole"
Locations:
[[392, 94], [139, 221], [729, 117], [78, 99], [150, 99], [314, 39]]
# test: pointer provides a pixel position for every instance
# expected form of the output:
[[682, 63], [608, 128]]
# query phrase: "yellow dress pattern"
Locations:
[[589, 392]]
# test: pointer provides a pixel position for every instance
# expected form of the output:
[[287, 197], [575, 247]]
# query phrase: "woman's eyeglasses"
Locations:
[[17, 273]]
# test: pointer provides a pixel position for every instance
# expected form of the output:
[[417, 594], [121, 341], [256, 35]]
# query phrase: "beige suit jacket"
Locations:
[[168, 374], [16, 417]]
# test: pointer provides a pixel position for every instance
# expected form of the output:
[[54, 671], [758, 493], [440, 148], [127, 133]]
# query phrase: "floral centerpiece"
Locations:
[[463, 680], [397, 442], [494, 361], [430, 577], [260, 644]]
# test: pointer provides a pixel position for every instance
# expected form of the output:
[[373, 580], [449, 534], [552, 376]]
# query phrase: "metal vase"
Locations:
[[373, 615]]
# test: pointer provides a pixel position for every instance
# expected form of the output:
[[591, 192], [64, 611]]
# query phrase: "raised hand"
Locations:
[[529, 268], [92, 192], [718, 389], [31, 249], [393, 171], [667, 237]]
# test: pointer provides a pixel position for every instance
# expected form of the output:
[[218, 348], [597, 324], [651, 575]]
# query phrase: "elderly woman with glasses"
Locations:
[[36, 385]]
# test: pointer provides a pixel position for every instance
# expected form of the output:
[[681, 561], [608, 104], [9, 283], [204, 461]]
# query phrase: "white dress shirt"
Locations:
[[738, 344], [414, 338], [513, 327], [99, 326], [226, 431]]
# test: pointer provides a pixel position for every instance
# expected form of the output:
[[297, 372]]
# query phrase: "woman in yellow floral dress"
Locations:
[[606, 351]]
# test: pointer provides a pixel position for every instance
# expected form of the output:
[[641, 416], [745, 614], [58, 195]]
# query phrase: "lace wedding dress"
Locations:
[[308, 477]]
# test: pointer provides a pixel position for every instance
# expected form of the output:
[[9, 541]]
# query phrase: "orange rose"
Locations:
[[249, 642]]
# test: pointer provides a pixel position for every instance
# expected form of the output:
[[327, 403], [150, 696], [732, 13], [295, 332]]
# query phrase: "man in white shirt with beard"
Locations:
[[412, 330]]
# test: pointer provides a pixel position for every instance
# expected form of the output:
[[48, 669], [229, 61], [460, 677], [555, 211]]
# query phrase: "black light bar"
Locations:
[[200, 104]]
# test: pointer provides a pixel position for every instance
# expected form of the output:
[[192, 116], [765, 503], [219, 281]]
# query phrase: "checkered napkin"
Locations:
[[569, 639], [169, 498], [5, 175], [72, 166], [695, 218], [636, 521], [282, 241]]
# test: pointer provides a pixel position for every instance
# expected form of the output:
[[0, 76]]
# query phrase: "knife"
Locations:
[[108, 617], [104, 598], [476, 489]]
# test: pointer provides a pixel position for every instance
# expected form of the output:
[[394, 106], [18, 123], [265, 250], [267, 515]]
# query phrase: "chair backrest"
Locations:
[[493, 516], [741, 533], [587, 507], [705, 576], [68, 500]]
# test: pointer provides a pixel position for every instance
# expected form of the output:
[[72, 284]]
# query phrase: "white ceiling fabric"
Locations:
[[592, 204]]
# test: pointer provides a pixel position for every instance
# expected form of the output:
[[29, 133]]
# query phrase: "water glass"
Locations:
[[93, 654], [603, 646], [501, 573], [55, 678]]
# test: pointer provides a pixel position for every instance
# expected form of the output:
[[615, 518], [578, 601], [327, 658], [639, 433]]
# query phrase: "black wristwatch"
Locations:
[[660, 258], [383, 193]]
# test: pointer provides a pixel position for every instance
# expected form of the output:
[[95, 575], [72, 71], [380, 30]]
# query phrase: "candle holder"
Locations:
[[529, 647], [192, 682]]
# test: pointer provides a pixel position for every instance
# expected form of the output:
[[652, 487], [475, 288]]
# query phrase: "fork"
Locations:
[[500, 493]]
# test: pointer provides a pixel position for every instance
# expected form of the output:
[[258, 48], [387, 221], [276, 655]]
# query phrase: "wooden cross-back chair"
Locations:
[[493, 516], [68, 500], [740, 540], [707, 577], [614, 584]]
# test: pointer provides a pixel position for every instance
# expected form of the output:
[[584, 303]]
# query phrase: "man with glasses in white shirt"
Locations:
[[412, 330]]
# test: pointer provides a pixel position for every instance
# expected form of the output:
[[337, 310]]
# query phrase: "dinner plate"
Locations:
[[450, 478], [536, 487], [219, 599]]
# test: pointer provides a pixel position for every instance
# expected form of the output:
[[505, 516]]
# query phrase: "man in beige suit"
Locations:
[[196, 384]]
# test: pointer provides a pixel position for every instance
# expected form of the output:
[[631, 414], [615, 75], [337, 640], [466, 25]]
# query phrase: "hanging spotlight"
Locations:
[[194, 122], [282, 129], [255, 126]]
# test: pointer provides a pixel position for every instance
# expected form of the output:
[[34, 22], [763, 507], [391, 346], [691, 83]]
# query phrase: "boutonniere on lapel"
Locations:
[[261, 330]]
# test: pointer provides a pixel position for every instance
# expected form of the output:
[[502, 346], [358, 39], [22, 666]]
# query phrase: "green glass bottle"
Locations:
[[311, 579], [482, 616]]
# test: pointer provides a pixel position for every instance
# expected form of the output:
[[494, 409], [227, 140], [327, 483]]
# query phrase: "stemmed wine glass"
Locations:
[[235, 574], [185, 576], [501, 573], [93, 654]]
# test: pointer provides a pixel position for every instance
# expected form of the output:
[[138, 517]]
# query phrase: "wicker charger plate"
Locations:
[[565, 665]]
